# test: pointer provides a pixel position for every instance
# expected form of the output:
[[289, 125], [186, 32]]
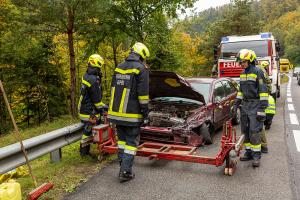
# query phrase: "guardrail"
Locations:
[[11, 156]]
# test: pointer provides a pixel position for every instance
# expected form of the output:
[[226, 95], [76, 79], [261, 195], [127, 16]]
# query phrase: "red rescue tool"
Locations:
[[105, 138]]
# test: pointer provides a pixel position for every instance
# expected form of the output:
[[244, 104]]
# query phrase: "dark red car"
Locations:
[[187, 111]]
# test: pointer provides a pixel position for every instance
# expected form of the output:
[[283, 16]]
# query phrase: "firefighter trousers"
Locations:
[[251, 127], [128, 140], [87, 132], [263, 135]]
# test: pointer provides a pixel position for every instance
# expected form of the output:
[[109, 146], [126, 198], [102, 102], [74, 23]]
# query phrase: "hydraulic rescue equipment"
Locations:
[[105, 137]]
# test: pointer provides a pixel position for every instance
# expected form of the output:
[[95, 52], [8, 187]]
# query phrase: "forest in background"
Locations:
[[44, 45]]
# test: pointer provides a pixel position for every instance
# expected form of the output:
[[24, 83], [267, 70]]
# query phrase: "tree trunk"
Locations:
[[28, 117], [72, 63], [114, 46]]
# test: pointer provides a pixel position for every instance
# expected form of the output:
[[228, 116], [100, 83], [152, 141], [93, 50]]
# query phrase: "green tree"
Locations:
[[60, 16]]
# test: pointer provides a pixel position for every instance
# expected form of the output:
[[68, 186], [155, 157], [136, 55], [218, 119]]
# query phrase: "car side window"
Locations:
[[229, 88], [218, 92]]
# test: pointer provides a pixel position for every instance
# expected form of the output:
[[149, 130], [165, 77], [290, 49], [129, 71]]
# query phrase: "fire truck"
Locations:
[[264, 45]]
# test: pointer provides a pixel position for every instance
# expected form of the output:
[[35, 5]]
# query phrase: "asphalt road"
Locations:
[[275, 179], [292, 130]]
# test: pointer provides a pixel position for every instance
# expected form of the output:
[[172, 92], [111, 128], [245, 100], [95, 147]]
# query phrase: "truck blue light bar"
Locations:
[[265, 35]]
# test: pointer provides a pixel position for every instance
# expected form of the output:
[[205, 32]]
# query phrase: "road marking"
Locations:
[[288, 94], [289, 100], [297, 139], [291, 107], [294, 119], [288, 91]]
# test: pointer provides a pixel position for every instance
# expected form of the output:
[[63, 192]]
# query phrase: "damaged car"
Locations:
[[187, 111]]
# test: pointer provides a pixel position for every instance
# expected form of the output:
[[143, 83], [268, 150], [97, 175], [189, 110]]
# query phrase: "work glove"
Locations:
[[145, 122], [263, 105], [261, 116], [103, 109], [145, 112]]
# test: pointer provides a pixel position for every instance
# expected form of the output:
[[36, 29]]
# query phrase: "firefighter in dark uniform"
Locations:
[[90, 102], [128, 107], [253, 97]]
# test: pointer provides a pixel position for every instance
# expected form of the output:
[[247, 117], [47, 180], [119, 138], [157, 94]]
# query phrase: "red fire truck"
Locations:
[[264, 45]]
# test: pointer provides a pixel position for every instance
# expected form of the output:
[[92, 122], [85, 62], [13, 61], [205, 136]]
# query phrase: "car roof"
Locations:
[[205, 79]]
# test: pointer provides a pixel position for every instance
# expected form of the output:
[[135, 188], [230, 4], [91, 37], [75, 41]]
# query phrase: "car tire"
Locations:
[[206, 133], [298, 81], [237, 118]]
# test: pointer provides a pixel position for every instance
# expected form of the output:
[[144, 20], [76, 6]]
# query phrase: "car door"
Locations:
[[219, 103], [230, 93]]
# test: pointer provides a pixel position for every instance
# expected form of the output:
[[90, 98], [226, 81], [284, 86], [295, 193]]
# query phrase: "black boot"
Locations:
[[126, 176], [256, 158], [264, 149], [256, 162], [84, 151], [247, 156]]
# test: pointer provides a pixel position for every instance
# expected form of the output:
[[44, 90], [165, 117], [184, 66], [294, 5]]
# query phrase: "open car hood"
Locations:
[[169, 84]]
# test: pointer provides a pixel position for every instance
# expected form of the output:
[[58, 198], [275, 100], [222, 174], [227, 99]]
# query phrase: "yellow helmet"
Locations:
[[96, 60], [264, 63], [141, 49], [246, 54]]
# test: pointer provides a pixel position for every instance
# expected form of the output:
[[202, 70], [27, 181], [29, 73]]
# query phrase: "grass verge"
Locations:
[[67, 174]]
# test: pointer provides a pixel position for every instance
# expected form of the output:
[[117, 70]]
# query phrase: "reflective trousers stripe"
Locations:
[[130, 150], [256, 147], [121, 144], [253, 147], [247, 145]]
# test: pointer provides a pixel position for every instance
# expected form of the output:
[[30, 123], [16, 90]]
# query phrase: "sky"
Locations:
[[201, 5]]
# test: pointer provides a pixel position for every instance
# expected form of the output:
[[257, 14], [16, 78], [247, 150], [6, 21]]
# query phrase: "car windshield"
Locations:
[[202, 88], [230, 50], [177, 100]]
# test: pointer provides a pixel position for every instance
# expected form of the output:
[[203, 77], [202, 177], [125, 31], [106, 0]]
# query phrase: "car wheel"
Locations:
[[206, 133], [237, 118], [298, 81]]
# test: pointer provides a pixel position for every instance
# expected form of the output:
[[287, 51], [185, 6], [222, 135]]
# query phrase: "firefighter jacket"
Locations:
[[271, 109], [90, 103], [253, 86], [129, 92]]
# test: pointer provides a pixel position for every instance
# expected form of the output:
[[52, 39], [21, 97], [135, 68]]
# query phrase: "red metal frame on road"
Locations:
[[107, 143]]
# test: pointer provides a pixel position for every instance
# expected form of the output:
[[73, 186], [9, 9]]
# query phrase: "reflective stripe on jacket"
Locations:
[[271, 109], [129, 92], [90, 95]]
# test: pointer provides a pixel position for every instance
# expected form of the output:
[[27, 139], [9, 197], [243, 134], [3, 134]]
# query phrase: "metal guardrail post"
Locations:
[[55, 156]]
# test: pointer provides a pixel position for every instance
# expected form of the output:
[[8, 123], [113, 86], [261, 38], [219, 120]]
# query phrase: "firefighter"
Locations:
[[90, 104], [264, 65], [253, 97], [128, 106]]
